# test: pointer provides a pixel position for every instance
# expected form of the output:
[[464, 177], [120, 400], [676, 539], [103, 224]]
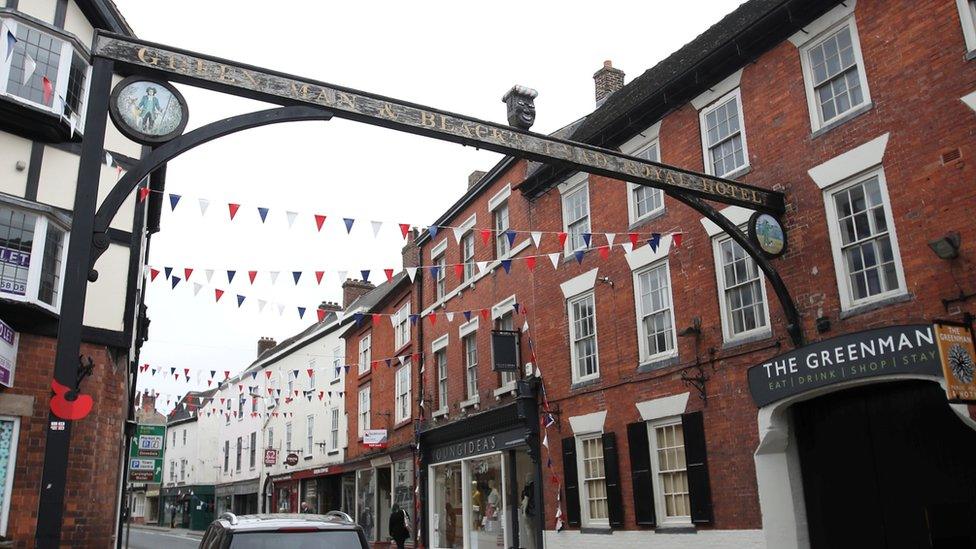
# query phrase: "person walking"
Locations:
[[399, 530]]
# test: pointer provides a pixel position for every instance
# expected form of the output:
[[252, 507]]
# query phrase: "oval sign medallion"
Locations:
[[291, 459], [768, 233], [148, 111]]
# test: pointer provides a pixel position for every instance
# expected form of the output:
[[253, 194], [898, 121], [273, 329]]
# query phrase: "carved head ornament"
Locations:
[[521, 106]]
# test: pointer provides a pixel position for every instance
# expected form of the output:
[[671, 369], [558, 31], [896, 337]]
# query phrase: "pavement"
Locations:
[[153, 537]]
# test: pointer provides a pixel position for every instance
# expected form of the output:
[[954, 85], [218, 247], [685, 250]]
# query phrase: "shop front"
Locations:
[[284, 494], [377, 486], [320, 487], [189, 507], [240, 498], [483, 486], [859, 446]]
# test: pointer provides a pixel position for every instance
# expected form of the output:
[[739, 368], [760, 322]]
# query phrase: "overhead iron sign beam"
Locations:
[[274, 87]]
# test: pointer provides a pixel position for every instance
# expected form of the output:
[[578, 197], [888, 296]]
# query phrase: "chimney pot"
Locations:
[[264, 344], [353, 289], [474, 177], [607, 80], [411, 251]]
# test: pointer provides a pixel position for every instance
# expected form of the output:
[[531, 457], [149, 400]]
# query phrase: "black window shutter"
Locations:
[[571, 479], [700, 492], [641, 474], [611, 470]]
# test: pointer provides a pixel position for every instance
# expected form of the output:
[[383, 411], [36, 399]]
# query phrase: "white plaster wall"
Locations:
[[77, 24], [59, 173], [41, 9], [199, 466], [123, 220], [105, 304], [238, 427], [644, 539], [208, 454], [12, 150]]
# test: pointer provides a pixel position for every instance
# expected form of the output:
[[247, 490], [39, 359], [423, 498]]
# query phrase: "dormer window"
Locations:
[[32, 253], [44, 68]]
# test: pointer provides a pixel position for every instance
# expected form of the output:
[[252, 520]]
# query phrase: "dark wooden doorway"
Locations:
[[887, 466]]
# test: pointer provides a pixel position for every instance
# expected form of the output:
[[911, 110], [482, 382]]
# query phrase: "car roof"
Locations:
[[274, 521]]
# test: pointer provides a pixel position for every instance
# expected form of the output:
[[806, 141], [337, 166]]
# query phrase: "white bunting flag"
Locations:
[[209, 273], [402, 359], [554, 257], [204, 204], [72, 124], [610, 238], [411, 272], [628, 247], [377, 225], [274, 276], [281, 309], [196, 288], [482, 265], [525, 326], [261, 304], [450, 316], [342, 275], [536, 238], [29, 67], [291, 218], [458, 233]]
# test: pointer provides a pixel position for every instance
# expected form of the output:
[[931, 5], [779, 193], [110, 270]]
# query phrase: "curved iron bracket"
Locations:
[[793, 325], [164, 153]]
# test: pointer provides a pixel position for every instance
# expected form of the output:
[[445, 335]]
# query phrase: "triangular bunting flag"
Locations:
[[348, 222], [530, 262], [458, 233], [604, 251], [204, 203], [251, 275], [459, 271], [377, 225], [467, 315], [263, 212], [168, 271], [579, 256], [274, 276], [634, 237], [586, 239], [411, 272], [554, 258], [404, 229], [143, 193], [507, 265], [434, 271], [562, 239], [174, 199], [261, 304], [240, 300], [47, 88], [389, 274], [365, 275], [230, 276], [318, 276], [296, 275], [321, 314], [654, 241], [153, 273], [536, 238], [290, 216], [432, 230], [450, 316], [232, 208], [510, 234], [676, 238], [196, 288], [432, 317], [218, 294], [486, 314], [414, 319], [319, 221], [610, 238], [175, 280], [187, 271], [485, 236], [209, 274]]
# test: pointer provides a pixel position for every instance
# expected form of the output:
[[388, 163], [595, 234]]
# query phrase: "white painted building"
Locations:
[[190, 464]]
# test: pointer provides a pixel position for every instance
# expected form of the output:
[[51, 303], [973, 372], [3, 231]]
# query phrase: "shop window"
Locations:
[[470, 344], [401, 326], [334, 435], [365, 354], [862, 235], [366, 502], [645, 202], [501, 226], [742, 290], [402, 404], [403, 486], [363, 410], [582, 337], [833, 73], [576, 213], [655, 316], [486, 523], [32, 252], [253, 450], [723, 136], [54, 58], [447, 514]]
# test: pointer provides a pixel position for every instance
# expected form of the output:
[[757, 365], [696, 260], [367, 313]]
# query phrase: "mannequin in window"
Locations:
[[527, 518], [492, 505]]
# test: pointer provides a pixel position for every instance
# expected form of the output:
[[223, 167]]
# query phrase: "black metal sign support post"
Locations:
[[50, 509]]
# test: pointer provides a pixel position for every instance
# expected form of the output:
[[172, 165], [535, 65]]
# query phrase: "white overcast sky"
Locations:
[[458, 56]]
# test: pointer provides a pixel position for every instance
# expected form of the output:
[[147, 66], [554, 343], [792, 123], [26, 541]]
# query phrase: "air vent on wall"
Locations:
[[951, 156]]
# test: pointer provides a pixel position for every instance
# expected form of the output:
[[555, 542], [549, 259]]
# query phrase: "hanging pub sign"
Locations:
[[504, 350], [374, 438], [291, 459], [894, 350], [270, 456], [768, 233], [148, 111], [9, 340], [958, 357]]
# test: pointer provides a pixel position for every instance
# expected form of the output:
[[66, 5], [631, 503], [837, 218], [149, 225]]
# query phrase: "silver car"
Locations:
[[333, 530]]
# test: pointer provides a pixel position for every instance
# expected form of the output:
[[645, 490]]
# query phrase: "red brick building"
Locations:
[[380, 400], [683, 413]]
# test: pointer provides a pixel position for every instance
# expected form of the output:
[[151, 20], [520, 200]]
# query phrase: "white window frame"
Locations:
[[660, 508], [967, 16], [438, 347], [440, 281], [727, 325], [239, 456], [466, 245], [338, 355], [589, 294], [334, 434], [502, 248], [33, 284], [632, 215], [584, 489], [471, 388], [309, 434], [644, 352], [402, 396], [703, 126], [253, 450], [8, 485], [401, 326], [365, 352], [578, 183], [288, 433], [813, 104], [833, 227], [363, 410]]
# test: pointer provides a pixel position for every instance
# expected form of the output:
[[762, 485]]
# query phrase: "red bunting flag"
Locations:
[[530, 262], [143, 193], [186, 371], [321, 313], [310, 372], [267, 374], [226, 374], [486, 236], [252, 275], [48, 89], [459, 271], [633, 239], [604, 251], [405, 229], [416, 358], [153, 273], [319, 221], [562, 239], [432, 317], [676, 238], [186, 273], [218, 293], [389, 274], [486, 314], [233, 210], [376, 318], [318, 276]]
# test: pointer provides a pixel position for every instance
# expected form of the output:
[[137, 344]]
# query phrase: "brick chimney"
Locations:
[[330, 306], [148, 402], [411, 251], [607, 81], [264, 344], [474, 177], [352, 289]]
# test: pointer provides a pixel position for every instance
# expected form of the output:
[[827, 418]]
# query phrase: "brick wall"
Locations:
[[96, 448]]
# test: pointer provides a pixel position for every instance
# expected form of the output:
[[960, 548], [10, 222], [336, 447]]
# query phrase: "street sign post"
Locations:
[[146, 454]]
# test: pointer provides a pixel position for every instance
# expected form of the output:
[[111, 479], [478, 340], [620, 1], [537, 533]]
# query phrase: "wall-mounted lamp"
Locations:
[[946, 247]]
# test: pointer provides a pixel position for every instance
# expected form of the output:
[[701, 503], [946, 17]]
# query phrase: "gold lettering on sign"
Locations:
[[250, 77], [444, 125], [427, 119], [145, 58], [387, 112], [222, 74], [345, 100], [303, 91]]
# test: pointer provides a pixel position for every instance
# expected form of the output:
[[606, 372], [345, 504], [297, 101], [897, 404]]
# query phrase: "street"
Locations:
[[149, 539]]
